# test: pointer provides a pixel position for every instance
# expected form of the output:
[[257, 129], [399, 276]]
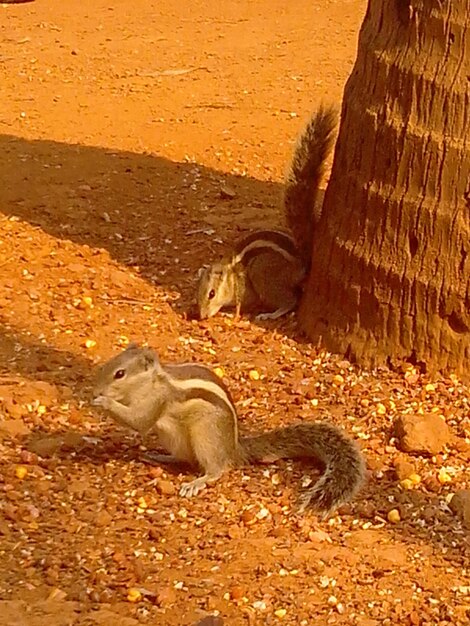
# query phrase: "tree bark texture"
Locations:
[[390, 276]]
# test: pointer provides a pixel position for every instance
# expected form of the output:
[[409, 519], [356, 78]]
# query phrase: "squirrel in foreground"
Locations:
[[265, 270], [191, 411]]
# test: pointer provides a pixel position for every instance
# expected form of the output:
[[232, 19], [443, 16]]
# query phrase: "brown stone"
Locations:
[[45, 446], [166, 488], [423, 434], [15, 410], [13, 428], [237, 592], [403, 468], [56, 595], [103, 518], [415, 618]]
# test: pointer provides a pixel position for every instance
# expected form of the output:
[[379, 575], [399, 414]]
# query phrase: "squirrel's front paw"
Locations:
[[101, 401]]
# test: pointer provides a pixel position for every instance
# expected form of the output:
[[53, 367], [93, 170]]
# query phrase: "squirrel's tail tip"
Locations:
[[322, 126], [330, 110], [333, 489]]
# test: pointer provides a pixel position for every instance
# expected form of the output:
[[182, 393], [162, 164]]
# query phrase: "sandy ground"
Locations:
[[120, 126]]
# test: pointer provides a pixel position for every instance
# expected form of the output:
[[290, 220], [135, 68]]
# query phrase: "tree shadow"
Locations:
[[166, 218], [422, 516], [162, 218], [24, 355]]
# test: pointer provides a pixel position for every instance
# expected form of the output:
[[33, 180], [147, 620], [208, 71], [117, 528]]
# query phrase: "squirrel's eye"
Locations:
[[211, 294], [119, 374]]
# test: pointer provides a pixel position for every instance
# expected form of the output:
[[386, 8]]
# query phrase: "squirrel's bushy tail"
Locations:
[[304, 176], [344, 467]]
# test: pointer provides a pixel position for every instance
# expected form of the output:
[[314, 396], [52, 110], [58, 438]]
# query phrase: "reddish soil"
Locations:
[[120, 125]]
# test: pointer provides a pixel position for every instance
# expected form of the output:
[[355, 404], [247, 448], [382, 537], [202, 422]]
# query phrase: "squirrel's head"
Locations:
[[214, 289], [119, 376]]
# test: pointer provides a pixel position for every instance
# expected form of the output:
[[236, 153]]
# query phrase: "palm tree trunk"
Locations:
[[390, 277]]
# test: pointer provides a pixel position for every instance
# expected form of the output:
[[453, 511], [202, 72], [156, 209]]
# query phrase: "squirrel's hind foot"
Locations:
[[275, 314], [188, 490]]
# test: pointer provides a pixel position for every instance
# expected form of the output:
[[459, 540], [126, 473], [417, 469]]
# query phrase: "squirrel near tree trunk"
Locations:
[[191, 411], [265, 270]]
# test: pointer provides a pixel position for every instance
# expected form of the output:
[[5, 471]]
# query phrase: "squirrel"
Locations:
[[192, 413], [265, 270]]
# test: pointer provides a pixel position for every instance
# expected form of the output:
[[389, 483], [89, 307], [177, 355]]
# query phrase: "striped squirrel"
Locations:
[[191, 411], [265, 270]]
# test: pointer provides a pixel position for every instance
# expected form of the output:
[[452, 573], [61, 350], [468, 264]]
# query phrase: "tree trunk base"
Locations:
[[390, 275], [368, 325]]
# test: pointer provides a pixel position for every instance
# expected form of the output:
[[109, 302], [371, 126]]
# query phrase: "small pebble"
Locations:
[[381, 409], [21, 471], [165, 487], [444, 477], [237, 592], [134, 595]]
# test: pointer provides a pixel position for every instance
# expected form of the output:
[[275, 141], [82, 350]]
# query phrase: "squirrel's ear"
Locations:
[[132, 346], [150, 359], [200, 272]]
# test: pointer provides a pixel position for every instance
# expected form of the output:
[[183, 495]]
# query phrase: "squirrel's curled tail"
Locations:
[[344, 467], [304, 176]]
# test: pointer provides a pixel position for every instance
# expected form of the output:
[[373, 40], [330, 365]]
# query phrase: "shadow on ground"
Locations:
[[370, 506], [166, 218]]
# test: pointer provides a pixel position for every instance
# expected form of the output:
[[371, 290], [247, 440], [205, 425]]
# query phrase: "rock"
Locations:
[[103, 518], [237, 592], [423, 434], [77, 487], [403, 468], [415, 618], [45, 446], [430, 512], [14, 428], [44, 391], [460, 505], [462, 447], [4, 528], [73, 440], [432, 484], [227, 193], [165, 488], [154, 534], [56, 595], [49, 445], [14, 410]]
